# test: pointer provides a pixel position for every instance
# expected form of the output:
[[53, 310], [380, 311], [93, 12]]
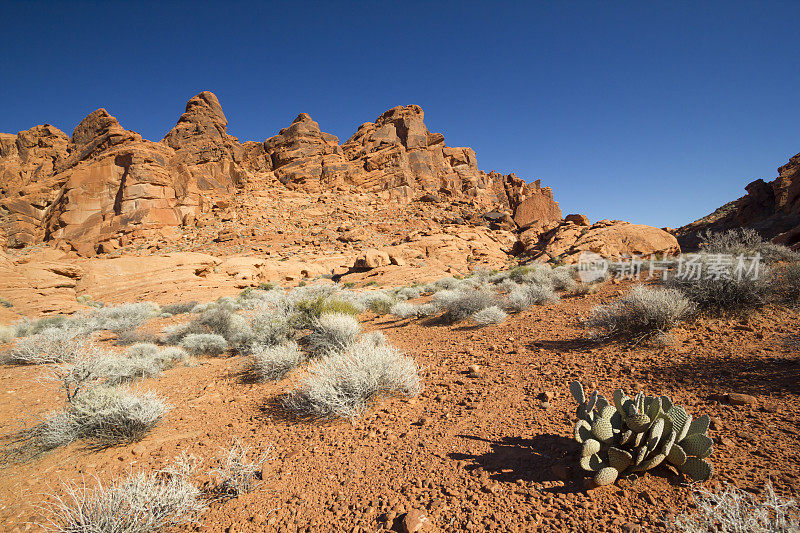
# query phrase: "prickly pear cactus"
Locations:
[[636, 434]]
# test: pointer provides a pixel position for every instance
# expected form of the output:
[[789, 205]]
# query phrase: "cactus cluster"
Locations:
[[636, 434]]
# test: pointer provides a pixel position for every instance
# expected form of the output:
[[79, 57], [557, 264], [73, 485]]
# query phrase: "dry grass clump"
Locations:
[[106, 415], [179, 308], [787, 284], [117, 318], [139, 503], [738, 511], [275, 362], [524, 296], [332, 332], [720, 295], [7, 334], [345, 384], [490, 315], [52, 345], [236, 474], [459, 305], [404, 310], [747, 242], [204, 343], [641, 313]]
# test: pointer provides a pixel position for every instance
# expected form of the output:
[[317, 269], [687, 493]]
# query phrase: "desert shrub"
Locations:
[[117, 317], [459, 305], [345, 384], [563, 278], [118, 369], [106, 415], [311, 309], [26, 327], [260, 299], [167, 357], [734, 294], [641, 313], [271, 328], [140, 503], [142, 349], [525, 296], [179, 308], [220, 321], [173, 334], [236, 474], [445, 284], [408, 293], [748, 242], [490, 315], [266, 286], [403, 310], [787, 283], [132, 336], [204, 343], [582, 289], [270, 362], [7, 334], [427, 309], [332, 332], [52, 345], [738, 511], [376, 338], [379, 302], [5, 303]]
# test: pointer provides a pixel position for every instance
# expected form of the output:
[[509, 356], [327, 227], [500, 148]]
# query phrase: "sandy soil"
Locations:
[[477, 451]]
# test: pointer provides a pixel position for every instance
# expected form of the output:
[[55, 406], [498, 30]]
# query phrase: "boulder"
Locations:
[[539, 206], [607, 238]]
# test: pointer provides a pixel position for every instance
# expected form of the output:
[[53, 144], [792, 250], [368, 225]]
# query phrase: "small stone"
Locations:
[[414, 521], [545, 405], [546, 396], [630, 527], [736, 398], [725, 441], [716, 423]]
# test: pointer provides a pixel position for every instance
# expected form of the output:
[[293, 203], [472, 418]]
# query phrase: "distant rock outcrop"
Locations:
[[771, 208], [105, 188]]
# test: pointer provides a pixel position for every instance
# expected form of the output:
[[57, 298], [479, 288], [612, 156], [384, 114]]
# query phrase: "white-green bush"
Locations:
[[488, 316], [403, 310], [173, 334], [332, 332], [117, 318], [459, 305], [236, 474], [140, 503], [142, 350], [737, 511], [271, 327], [345, 384], [641, 313], [269, 362], [204, 343], [528, 295], [105, 415], [52, 345], [7, 334]]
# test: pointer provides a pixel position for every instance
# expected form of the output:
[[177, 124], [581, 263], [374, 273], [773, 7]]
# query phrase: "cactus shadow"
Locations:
[[511, 459]]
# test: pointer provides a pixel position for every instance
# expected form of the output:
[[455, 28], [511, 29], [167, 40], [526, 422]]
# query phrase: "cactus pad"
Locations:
[[676, 455], [577, 391], [697, 445], [592, 463], [606, 476], [638, 422], [583, 431], [590, 447], [602, 429], [699, 425], [697, 469], [619, 459], [647, 464]]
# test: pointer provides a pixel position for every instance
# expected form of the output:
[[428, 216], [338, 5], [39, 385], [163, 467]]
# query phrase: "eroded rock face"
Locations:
[[771, 208], [567, 240]]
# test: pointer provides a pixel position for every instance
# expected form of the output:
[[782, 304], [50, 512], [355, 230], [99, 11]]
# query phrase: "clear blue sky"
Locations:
[[653, 112]]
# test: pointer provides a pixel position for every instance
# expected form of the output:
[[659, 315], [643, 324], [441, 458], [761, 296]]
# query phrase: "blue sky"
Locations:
[[651, 112]]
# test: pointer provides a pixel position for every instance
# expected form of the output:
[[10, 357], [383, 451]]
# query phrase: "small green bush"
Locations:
[[204, 343]]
